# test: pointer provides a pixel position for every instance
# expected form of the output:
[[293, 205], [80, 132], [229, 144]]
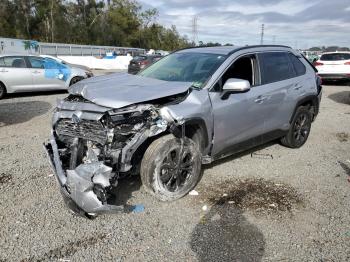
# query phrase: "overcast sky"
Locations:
[[299, 23]]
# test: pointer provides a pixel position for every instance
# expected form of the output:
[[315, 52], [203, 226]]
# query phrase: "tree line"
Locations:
[[92, 22]]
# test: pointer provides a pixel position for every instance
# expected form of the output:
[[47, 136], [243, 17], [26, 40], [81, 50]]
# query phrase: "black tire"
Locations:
[[3, 90], [299, 130], [162, 176], [75, 79]]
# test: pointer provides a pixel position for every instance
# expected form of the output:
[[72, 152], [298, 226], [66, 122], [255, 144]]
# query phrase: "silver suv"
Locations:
[[190, 108]]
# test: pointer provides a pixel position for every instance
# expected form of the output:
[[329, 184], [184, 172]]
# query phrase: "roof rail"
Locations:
[[254, 46]]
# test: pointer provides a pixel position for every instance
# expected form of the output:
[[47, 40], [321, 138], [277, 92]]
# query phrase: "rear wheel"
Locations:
[[171, 167], [299, 130], [2, 90]]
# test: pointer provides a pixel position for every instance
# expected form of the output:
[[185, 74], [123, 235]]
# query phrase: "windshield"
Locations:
[[185, 67]]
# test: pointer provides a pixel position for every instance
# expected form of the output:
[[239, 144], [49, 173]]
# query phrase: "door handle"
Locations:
[[260, 99], [297, 87]]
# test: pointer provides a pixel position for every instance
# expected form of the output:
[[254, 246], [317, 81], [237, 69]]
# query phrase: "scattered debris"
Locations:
[[68, 249], [138, 208], [261, 155], [254, 194], [216, 217], [5, 178], [50, 175], [342, 137], [205, 208], [345, 167], [193, 193], [273, 205]]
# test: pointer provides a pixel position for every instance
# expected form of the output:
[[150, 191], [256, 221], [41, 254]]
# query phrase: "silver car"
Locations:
[[27, 73], [190, 108]]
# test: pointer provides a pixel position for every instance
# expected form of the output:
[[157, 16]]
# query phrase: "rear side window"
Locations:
[[275, 66], [140, 58], [13, 61], [335, 57], [298, 66]]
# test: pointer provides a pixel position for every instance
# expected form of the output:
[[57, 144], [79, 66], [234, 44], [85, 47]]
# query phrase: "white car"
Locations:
[[27, 73], [334, 66]]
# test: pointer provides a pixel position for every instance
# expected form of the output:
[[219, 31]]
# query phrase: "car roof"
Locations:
[[336, 52], [224, 50], [18, 54]]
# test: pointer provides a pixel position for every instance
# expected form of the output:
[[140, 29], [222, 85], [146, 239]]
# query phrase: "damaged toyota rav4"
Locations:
[[190, 108]]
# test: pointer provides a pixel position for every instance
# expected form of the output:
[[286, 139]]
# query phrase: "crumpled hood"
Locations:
[[120, 89]]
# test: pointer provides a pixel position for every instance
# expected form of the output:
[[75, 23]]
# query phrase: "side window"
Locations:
[[2, 63], [299, 67], [242, 68], [36, 62], [275, 66], [14, 61]]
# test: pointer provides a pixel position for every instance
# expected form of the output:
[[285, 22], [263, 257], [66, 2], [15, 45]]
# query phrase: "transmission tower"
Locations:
[[262, 34], [195, 30]]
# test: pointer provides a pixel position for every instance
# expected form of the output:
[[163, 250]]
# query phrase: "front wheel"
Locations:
[[299, 130], [171, 167]]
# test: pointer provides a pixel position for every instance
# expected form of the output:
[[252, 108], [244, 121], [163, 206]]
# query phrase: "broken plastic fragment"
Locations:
[[138, 208], [193, 193], [205, 208]]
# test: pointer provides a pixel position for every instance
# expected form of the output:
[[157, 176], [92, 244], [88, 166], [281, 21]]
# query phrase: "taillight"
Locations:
[[318, 64], [144, 62], [347, 63], [318, 80]]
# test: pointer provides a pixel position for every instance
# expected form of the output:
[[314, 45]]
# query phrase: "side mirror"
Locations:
[[235, 85]]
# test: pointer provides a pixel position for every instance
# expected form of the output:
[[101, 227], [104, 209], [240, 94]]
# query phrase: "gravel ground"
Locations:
[[271, 204]]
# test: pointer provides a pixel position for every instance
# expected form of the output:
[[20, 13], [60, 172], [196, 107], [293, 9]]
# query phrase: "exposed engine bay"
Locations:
[[92, 146]]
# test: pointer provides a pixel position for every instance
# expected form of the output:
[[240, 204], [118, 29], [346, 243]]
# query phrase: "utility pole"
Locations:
[[195, 30], [262, 34]]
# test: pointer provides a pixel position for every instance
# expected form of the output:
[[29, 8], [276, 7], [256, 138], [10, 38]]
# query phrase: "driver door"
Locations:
[[46, 74], [239, 117]]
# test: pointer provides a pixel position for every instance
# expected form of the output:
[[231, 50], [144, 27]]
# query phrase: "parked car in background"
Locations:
[[192, 107], [334, 66], [85, 68], [27, 73], [140, 62]]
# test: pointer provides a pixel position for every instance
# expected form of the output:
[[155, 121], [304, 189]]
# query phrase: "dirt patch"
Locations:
[[342, 137], [5, 178], [68, 249], [254, 194]]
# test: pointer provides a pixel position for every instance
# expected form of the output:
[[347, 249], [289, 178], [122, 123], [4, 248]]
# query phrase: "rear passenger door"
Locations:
[[280, 89], [15, 74]]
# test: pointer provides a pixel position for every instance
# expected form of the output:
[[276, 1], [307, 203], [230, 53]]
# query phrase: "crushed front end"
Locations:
[[92, 146]]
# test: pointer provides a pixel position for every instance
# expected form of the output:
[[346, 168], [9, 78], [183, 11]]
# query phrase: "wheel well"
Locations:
[[1, 83], [311, 103], [194, 129], [197, 131], [74, 77]]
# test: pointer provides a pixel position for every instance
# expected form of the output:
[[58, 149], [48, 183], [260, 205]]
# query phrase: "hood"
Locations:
[[120, 90]]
